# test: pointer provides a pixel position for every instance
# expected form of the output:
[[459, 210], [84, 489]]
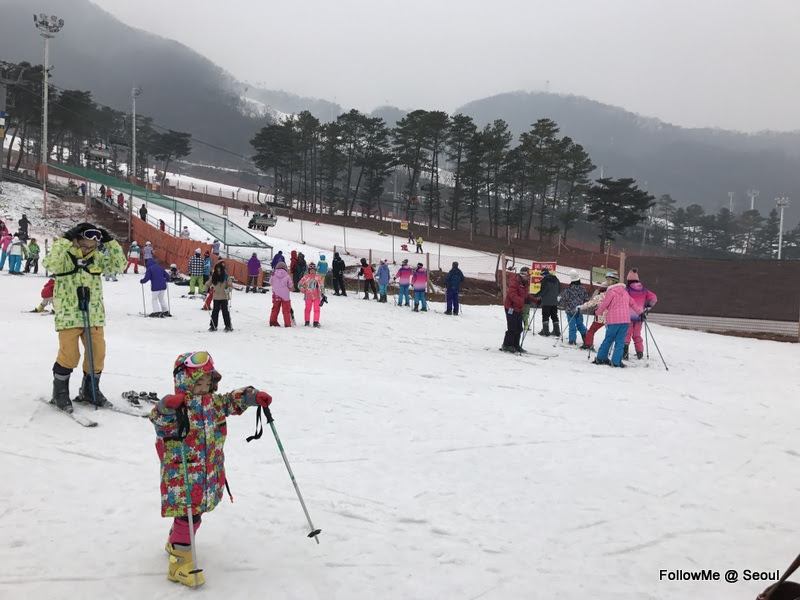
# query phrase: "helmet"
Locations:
[[405, 261], [420, 265], [312, 265], [133, 243], [173, 266], [147, 243]]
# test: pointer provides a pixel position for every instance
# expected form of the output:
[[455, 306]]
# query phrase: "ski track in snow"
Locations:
[[434, 468]]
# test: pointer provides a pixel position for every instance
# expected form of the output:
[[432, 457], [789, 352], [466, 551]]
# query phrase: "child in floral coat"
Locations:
[[191, 428], [311, 287]]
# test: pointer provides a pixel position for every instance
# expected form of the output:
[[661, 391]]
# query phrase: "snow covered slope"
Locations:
[[436, 466]]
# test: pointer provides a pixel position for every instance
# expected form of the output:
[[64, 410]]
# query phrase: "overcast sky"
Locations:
[[725, 63]]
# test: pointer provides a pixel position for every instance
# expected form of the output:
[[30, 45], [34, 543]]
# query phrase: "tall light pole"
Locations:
[[48, 27], [132, 162], [134, 94], [782, 203], [753, 195], [730, 199]]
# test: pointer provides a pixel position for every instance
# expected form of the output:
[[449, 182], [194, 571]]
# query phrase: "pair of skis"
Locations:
[[142, 399]]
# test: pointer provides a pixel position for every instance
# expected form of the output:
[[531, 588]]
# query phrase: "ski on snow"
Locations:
[[123, 410], [78, 418], [530, 353]]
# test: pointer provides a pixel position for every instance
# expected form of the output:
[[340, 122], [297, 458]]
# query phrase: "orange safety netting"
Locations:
[[169, 249]]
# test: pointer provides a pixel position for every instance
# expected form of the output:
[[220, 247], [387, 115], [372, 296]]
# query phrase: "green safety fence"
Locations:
[[219, 227]]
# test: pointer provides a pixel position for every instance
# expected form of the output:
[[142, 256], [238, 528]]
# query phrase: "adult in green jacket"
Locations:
[[76, 263]]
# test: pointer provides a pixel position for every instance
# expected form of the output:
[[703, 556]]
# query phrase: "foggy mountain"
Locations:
[[692, 165], [184, 91]]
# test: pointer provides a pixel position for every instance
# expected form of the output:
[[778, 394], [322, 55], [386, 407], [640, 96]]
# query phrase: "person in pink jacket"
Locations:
[[281, 283], [311, 287], [645, 300], [616, 306], [403, 277], [5, 241]]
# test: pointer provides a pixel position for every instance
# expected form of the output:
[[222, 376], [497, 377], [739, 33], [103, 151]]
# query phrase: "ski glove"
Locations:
[[174, 401], [263, 399]]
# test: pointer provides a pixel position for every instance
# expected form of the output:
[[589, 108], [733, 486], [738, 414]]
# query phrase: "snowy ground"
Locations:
[[436, 466]]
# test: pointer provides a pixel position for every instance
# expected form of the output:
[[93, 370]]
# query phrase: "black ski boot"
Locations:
[[640, 355], [61, 393], [85, 393], [545, 329], [625, 352], [448, 312], [556, 329], [366, 296], [416, 306]]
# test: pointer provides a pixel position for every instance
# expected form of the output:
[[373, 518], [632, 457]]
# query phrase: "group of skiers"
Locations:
[[620, 307], [14, 249]]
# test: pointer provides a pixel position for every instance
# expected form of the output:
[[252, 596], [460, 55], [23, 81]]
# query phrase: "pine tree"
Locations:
[[616, 205]]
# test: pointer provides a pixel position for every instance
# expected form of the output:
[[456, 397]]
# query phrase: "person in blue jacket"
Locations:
[[383, 279], [158, 278], [206, 266], [453, 281]]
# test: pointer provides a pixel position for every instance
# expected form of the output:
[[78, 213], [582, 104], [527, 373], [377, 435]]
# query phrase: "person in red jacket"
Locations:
[[47, 296], [517, 294], [369, 279]]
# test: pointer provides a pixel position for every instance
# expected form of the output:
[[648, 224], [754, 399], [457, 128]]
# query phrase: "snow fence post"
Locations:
[[428, 269]]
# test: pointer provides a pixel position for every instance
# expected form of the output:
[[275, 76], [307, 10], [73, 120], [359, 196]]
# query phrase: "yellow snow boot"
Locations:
[[181, 567]]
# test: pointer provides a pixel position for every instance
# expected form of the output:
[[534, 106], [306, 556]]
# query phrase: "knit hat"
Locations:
[[545, 271], [280, 265], [133, 243], [420, 265], [524, 271], [573, 275], [198, 251], [384, 261], [405, 261], [312, 265], [633, 275], [147, 243], [206, 253], [186, 375]]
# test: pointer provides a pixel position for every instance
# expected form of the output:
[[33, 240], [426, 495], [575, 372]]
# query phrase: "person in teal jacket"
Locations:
[[322, 270]]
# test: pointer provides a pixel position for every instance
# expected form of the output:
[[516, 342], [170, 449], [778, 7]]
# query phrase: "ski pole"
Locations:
[[189, 515], [83, 305], [647, 328], [144, 306], [314, 532], [530, 320], [589, 351], [169, 305]]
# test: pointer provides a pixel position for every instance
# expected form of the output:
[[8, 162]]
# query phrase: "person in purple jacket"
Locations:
[[158, 278], [278, 258], [419, 281], [253, 267], [403, 277], [282, 285]]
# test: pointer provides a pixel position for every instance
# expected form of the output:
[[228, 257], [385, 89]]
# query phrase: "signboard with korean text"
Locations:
[[404, 225], [536, 274]]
